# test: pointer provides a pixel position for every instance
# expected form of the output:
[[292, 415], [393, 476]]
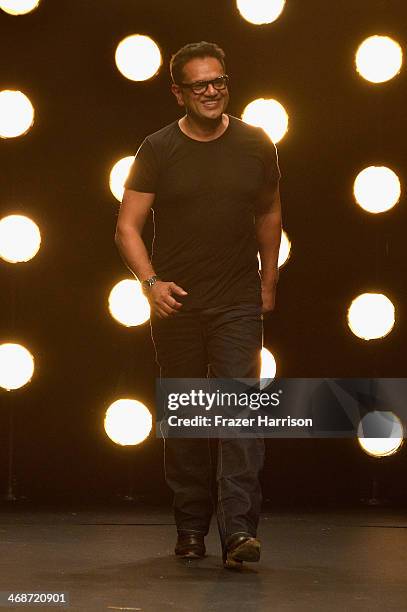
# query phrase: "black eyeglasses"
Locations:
[[200, 87]]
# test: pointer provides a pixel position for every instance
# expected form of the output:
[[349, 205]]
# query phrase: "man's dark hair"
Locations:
[[190, 51]]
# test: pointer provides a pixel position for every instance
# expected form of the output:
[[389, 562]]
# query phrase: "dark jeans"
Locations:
[[220, 342]]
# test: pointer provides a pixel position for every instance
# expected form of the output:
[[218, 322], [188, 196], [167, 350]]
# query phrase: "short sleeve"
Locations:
[[272, 172], [143, 173]]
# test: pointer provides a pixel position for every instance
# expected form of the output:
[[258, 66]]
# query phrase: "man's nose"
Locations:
[[211, 90]]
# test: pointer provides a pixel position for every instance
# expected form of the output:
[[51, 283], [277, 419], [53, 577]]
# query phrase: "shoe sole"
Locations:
[[247, 551], [232, 564], [189, 555]]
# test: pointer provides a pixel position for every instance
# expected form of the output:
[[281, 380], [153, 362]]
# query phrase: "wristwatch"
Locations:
[[149, 282]]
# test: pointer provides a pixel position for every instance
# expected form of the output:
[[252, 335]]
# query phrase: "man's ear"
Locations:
[[176, 90]]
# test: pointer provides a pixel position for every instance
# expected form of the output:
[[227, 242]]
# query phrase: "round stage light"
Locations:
[[283, 253], [16, 113], [378, 59], [128, 304], [285, 250], [20, 238], [128, 422], [388, 426], [260, 12], [138, 57], [16, 366], [118, 176], [18, 7], [377, 189], [269, 115], [268, 368], [371, 316]]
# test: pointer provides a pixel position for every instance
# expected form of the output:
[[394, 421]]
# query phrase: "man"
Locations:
[[212, 182]]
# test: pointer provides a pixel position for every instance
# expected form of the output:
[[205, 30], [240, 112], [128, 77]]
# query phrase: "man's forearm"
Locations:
[[268, 233], [134, 253]]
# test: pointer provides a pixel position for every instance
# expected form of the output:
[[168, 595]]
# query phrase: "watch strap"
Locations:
[[149, 282]]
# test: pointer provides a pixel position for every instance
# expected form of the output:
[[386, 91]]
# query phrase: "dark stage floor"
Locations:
[[123, 560]]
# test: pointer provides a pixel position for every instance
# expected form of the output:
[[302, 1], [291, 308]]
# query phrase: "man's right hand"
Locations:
[[161, 300]]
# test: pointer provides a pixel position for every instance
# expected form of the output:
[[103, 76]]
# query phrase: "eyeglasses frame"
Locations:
[[211, 82]]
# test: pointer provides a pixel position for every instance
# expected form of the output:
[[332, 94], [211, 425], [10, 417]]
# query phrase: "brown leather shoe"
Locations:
[[241, 547], [190, 545]]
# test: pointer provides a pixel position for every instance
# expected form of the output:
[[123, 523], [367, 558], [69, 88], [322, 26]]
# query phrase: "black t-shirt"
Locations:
[[205, 196]]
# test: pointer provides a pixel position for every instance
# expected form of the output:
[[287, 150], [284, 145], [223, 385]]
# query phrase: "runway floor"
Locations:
[[122, 559]]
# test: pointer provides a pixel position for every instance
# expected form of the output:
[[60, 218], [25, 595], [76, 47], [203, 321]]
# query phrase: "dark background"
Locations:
[[87, 117]]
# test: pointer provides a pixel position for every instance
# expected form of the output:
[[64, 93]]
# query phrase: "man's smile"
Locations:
[[210, 103]]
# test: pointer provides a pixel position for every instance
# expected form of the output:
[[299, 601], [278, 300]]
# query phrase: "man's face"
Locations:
[[212, 103]]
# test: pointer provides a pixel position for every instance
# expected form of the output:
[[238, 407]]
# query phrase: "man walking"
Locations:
[[212, 182]]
